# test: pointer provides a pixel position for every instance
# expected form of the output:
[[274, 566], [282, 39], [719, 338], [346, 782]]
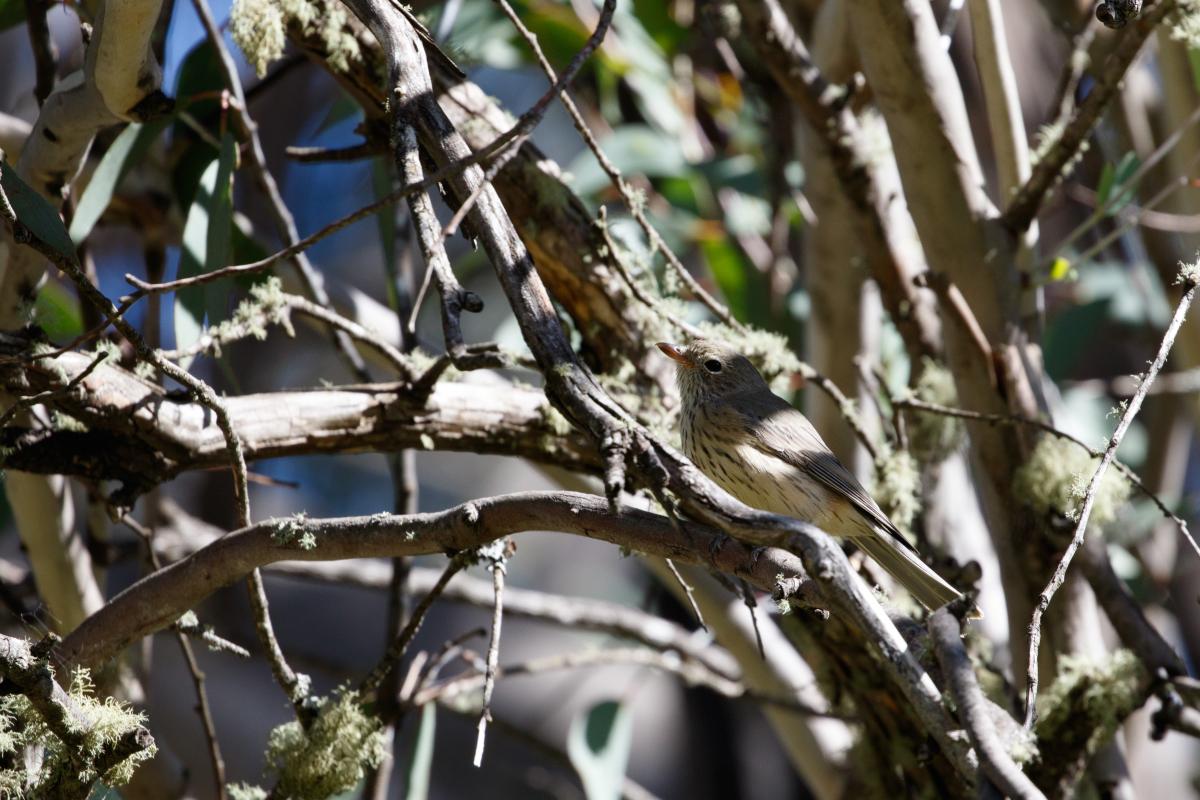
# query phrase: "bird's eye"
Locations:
[[712, 365]]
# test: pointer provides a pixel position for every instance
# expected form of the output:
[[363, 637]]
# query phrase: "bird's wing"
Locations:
[[783, 432]]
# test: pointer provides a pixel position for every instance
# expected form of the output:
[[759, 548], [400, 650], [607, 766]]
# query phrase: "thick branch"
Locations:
[[159, 599], [840, 141], [973, 711], [141, 435]]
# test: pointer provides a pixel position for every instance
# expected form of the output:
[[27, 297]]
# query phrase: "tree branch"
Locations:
[[141, 435], [1055, 164], [159, 599], [997, 765]]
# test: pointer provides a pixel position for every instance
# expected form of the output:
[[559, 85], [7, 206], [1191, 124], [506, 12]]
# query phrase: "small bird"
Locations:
[[758, 448]]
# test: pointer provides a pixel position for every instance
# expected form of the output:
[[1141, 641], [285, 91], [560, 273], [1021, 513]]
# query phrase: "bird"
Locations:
[[764, 452]]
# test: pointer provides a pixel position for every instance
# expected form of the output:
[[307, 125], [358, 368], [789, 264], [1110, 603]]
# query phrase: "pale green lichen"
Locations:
[[291, 531], [1189, 273], [554, 421], [1056, 475], [245, 791], [1091, 696], [257, 28], [112, 353], [331, 755], [63, 421], [898, 487], [932, 438], [1185, 26], [145, 370], [108, 721], [1047, 136], [267, 304]]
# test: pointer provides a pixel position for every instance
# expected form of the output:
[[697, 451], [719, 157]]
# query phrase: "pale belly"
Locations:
[[763, 481]]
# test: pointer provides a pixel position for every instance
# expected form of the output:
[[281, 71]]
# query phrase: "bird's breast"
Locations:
[[756, 478]]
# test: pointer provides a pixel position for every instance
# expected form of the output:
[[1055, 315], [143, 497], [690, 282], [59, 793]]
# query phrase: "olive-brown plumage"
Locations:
[[767, 454]]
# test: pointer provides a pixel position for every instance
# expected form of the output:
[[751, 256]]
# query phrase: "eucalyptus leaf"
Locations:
[[635, 149], [121, 157], [57, 311], [206, 245], [35, 213], [598, 745], [420, 766]]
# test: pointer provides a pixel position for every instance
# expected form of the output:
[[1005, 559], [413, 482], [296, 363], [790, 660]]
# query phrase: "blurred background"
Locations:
[[673, 97]]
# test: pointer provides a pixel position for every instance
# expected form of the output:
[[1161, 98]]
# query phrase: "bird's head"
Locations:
[[707, 370]]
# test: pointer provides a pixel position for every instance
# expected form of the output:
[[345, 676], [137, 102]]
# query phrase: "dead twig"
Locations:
[[1188, 277]]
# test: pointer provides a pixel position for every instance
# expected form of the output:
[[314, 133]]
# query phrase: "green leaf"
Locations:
[[598, 744], [12, 13], [125, 151], [420, 766], [35, 213], [1115, 178], [381, 182], [57, 312], [206, 245], [1104, 188], [636, 150], [199, 74]]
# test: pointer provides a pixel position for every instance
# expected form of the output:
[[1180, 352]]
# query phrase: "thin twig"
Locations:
[[395, 652], [996, 763], [213, 339], [914, 404], [752, 605], [202, 706], [1050, 169], [610, 169], [497, 555], [285, 223], [845, 406], [205, 394], [1166, 221], [1119, 191], [317, 155], [691, 673], [519, 133], [1089, 498], [1132, 218]]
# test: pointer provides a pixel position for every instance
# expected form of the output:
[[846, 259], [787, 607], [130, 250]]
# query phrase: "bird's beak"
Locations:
[[675, 353]]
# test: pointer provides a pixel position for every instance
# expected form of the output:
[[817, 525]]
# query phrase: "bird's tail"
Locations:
[[903, 564]]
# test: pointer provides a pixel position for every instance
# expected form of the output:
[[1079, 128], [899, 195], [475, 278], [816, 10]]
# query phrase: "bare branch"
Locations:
[[141, 435], [1051, 168], [997, 764], [1188, 278], [158, 599]]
